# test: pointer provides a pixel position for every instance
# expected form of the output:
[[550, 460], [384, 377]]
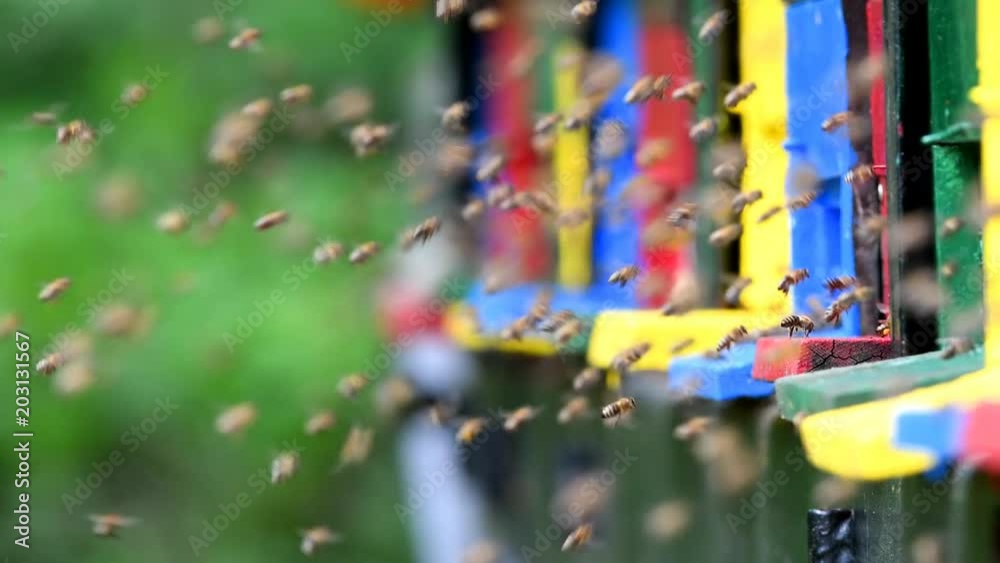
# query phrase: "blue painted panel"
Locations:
[[817, 83], [724, 379], [937, 432], [616, 231], [496, 312]]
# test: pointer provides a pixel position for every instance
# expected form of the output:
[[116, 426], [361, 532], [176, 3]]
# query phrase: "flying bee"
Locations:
[[668, 520], [258, 108], [802, 201], [236, 418], [732, 337], [691, 91], [520, 416], [618, 408], [8, 324], [50, 363], [571, 218], [713, 26], [134, 94], [481, 552], [860, 174], [680, 346], [327, 252], [421, 233], [448, 9], [950, 226], [77, 129], [841, 282], [586, 379], [270, 220], [363, 252], [744, 199], [683, 216], [516, 329], [684, 295], [469, 429], [651, 152], [574, 409], [556, 320], [543, 144], [298, 94], [732, 295], [367, 138], [730, 172], [845, 302], [107, 525], [172, 222], [949, 269], [769, 213], [834, 491], [489, 171], [584, 10], [453, 118], [473, 209], [320, 422], [485, 19], [568, 331], [629, 356], [579, 114], [246, 38], [793, 278], [54, 289], [283, 467], [798, 322], [357, 446], [884, 327], [738, 94], [957, 346], [578, 537], [725, 235], [704, 129], [540, 306], [351, 385], [314, 538], [222, 212], [547, 123], [499, 194], [647, 88], [597, 183], [835, 121], [624, 275], [693, 427]]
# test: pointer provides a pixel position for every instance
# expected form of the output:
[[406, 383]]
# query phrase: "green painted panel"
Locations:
[[953, 61]]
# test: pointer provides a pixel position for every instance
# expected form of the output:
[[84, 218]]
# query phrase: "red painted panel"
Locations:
[[876, 33], [981, 442], [664, 51]]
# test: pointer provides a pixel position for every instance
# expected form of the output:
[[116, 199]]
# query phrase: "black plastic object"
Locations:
[[833, 536]]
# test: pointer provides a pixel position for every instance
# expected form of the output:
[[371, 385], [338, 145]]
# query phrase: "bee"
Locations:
[[957, 346], [320, 422], [860, 174], [732, 295], [546, 123], [315, 537], [793, 278], [448, 9], [350, 105], [928, 548], [50, 363], [835, 121], [732, 337], [624, 275], [469, 429], [454, 116], [578, 537], [327, 252], [845, 302], [725, 235], [222, 212], [612, 139], [486, 19], [246, 38], [798, 322], [571, 218], [481, 552], [74, 130], [521, 415], [586, 379], [43, 118], [683, 216], [629, 356], [498, 194], [668, 520], [691, 91], [270, 220], [693, 427], [950, 226], [357, 447], [647, 88], [949, 269], [421, 233], [574, 409], [597, 183], [524, 60], [363, 252], [117, 320], [730, 172], [704, 129], [581, 112], [440, 413], [680, 346], [583, 11], [841, 282], [834, 491], [351, 385], [207, 30], [543, 144], [651, 152], [8, 324], [489, 171], [133, 95], [367, 138], [54, 289], [172, 222], [769, 213], [236, 418], [684, 295], [556, 320], [540, 307], [744, 199], [739, 93], [298, 94], [283, 467], [473, 209], [713, 26], [107, 525], [884, 327], [802, 201]]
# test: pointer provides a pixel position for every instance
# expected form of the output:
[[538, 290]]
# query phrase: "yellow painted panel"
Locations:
[[461, 325], [617, 330], [765, 251], [988, 93], [991, 238], [570, 167], [856, 442]]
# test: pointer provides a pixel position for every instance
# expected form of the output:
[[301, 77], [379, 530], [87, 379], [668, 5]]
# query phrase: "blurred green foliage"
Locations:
[[82, 59]]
